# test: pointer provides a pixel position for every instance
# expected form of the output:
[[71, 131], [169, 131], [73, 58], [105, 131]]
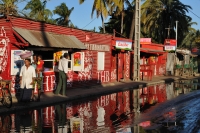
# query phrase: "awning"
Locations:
[[48, 39], [146, 50], [184, 53]]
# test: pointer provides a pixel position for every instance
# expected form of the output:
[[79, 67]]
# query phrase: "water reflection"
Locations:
[[114, 113]]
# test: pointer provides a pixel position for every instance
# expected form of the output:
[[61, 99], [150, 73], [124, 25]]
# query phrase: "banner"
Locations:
[[123, 45]]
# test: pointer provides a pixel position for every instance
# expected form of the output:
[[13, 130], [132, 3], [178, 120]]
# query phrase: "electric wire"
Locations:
[[194, 14]]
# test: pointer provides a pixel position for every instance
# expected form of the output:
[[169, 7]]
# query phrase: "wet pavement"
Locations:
[[164, 106], [179, 114], [81, 93]]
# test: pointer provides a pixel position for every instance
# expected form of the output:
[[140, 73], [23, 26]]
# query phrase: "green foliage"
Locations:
[[8, 7], [64, 13], [115, 22], [37, 10], [157, 15]]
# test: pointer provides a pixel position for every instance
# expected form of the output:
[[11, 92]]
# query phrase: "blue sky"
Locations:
[[81, 15]]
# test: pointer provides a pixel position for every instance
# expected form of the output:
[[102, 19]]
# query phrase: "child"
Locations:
[[39, 69]]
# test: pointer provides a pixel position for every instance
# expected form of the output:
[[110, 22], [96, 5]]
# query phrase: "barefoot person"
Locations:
[[63, 70]]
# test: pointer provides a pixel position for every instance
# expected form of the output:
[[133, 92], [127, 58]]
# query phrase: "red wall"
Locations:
[[90, 73]]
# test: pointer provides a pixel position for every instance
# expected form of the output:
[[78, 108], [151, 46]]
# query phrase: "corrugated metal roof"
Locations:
[[48, 39], [147, 50]]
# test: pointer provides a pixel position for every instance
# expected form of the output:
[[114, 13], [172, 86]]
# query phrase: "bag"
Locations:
[[25, 95]]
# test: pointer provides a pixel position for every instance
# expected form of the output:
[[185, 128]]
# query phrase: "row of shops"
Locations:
[[94, 58]]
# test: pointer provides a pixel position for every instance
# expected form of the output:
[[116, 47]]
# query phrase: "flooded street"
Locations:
[[162, 108]]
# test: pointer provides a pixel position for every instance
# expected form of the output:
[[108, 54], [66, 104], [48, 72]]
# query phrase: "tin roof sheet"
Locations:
[[48, 39], [147, 50]]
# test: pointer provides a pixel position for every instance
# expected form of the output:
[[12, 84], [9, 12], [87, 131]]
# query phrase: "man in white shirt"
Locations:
[[27, 76], [63, 70]]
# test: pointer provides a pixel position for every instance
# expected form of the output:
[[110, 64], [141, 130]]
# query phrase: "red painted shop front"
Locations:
[[98, 61], [153, 57], [121, 58]]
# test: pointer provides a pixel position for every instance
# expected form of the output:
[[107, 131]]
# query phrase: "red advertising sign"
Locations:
[[170, 42], [145, 40], [194, 50]]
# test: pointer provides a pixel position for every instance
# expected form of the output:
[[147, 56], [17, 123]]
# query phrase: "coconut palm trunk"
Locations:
[[122, 22], [103, 26], [132, 26]]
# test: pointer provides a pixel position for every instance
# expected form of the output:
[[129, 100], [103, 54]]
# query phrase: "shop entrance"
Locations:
[[120, 66]]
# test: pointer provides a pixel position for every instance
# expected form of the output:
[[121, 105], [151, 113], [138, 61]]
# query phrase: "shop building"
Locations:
[[153, 59], [94, 57]]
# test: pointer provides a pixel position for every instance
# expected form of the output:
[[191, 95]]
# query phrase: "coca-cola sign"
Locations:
[[123, 45]]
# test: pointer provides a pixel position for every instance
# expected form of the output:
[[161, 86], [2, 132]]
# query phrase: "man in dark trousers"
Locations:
[[27, 77], [63, 69]]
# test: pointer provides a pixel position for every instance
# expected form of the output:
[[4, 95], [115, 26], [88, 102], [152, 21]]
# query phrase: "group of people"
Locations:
[[30, 74]]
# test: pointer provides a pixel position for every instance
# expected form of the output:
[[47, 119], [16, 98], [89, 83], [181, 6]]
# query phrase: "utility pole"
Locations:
[[176, 33], [136, 72], [168, 32]]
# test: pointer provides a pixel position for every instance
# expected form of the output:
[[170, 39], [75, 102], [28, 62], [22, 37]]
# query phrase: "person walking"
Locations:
[[63, 70], [27, 77]]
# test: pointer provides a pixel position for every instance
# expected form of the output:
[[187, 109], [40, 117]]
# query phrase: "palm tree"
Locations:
[[119, 9], [115, 21], [191, 36], [38, 10], [100, 6], [8, 7], [157, 15], [64, 13]]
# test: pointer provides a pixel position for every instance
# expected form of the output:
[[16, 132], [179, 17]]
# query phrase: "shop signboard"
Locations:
[[145, 40], [169, 48], [78, 61], [170, 44], [195, 51], [124, 45]]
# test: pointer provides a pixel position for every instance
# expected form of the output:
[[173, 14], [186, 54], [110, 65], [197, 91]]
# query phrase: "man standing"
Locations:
[[63, 69], [27, 77]]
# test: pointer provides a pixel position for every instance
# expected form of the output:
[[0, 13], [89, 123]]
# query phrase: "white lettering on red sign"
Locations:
[[52, 82], [103, 76], [98, 47]]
